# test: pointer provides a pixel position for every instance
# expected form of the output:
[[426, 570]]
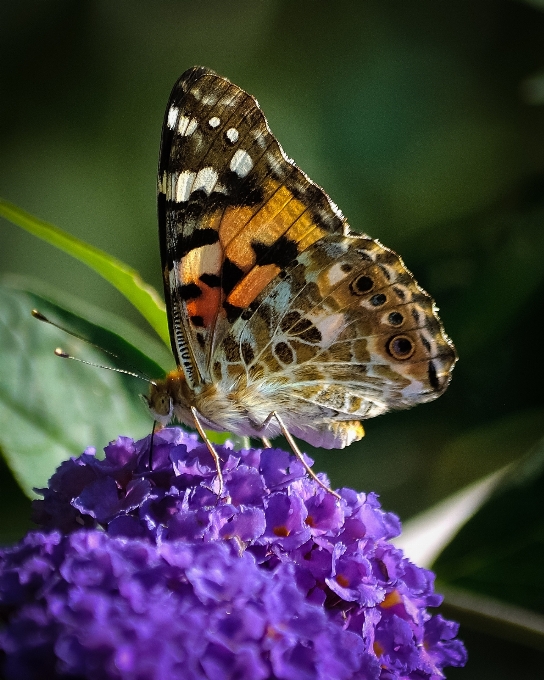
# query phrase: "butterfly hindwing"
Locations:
[[356, 338]]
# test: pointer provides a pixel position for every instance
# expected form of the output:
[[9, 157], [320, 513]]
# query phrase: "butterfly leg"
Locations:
[[213, 452], [298, 453], [267, 444], [155, 429]]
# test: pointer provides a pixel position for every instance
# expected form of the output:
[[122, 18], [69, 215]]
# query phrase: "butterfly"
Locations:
[[280, 318]]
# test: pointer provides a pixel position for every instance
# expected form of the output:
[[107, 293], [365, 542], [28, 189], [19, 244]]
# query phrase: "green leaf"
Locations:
[[134, 349], [499, 553], [220, 438], [490, 571], [14, 507], [493, 617], [51, 408], [124, 278], [426, 535]]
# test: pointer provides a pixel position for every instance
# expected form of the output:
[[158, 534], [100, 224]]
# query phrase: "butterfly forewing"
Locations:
[[233, 212]]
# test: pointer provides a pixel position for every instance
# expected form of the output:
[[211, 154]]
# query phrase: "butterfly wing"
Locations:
[[359, 337], [234, 211], [272, 302]]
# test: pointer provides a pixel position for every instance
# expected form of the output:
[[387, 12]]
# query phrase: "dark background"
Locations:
[[423, 120]]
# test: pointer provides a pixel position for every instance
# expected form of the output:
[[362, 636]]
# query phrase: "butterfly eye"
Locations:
[[162, 405], [400, 347], [362, 284]]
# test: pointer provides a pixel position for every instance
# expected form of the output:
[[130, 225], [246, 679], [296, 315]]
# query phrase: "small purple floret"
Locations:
[[140, 573]]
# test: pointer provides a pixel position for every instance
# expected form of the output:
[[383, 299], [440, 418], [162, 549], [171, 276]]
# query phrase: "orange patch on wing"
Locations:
[[232, 220], [279, 212], [305, 232], [212, 221], [206, 305], [252, 284], [236, 219], [265, 226]]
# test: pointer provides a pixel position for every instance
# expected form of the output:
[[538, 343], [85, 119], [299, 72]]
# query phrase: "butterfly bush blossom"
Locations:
[[140, 573]]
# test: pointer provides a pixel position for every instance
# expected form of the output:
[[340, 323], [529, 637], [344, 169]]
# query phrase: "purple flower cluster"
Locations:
[[143, 573]]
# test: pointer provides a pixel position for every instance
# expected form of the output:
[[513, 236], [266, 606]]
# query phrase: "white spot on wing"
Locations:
[[276, 163], [232, 135], [202, 259], [184, 186], [172, 117], [187, 126], [336, 274], [205, 180], [336, 209], [259, 138], [161, 183], [214, 122], [210, 98], [241, 163], [193, 123], [329, 325]]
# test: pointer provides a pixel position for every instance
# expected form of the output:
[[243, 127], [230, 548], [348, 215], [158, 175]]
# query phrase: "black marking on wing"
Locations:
[[198, 321], [231, 274], [433, 378], [211, 280], [231, 349], [282, 253], [189, 291], [239, 191], [399, 292], [378, 300], [197, 239], [232, 311], [247, 352], [283, 352]]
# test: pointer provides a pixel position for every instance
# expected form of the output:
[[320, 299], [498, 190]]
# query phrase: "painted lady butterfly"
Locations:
[[280, 319]]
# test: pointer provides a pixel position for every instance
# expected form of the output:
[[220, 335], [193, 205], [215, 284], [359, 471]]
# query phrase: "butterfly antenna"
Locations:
[[63, 355], [60, 353]]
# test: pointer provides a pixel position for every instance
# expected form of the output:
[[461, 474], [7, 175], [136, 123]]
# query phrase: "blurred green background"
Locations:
[[423, 120]]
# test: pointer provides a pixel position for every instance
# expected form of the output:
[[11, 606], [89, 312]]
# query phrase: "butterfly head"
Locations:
[[160, 403], [169, 397]]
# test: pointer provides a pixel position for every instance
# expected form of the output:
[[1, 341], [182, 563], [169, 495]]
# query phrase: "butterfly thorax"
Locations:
[[242, 407]]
